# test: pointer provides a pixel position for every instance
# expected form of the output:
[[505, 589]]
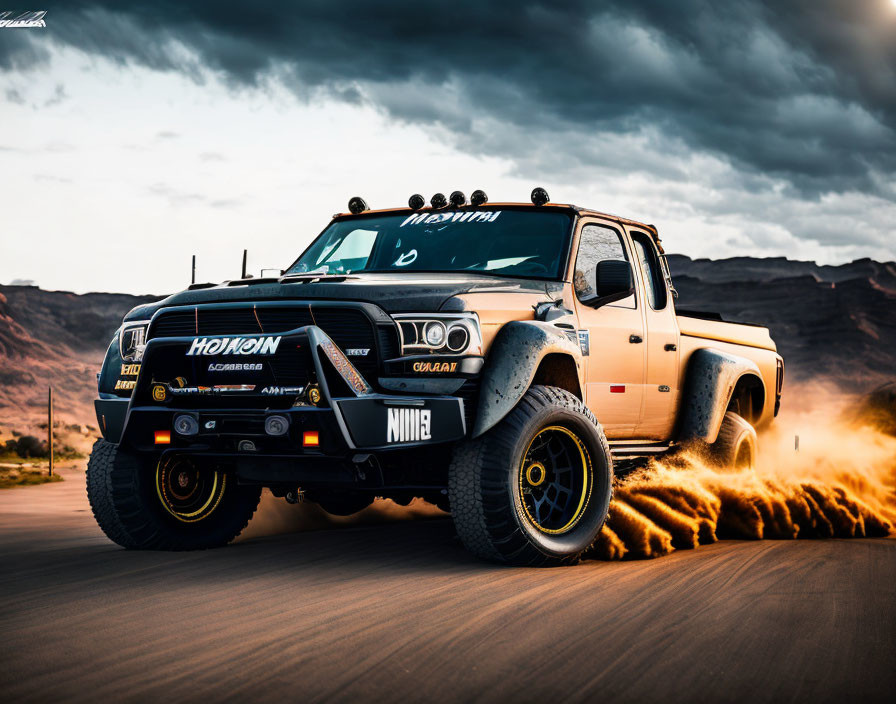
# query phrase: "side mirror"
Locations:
[[613, 281]]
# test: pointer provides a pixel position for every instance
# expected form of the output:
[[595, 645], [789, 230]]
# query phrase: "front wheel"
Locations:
[[168, 503], [535, 489]]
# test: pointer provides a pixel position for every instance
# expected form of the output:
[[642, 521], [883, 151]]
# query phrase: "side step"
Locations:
[[632, 450]]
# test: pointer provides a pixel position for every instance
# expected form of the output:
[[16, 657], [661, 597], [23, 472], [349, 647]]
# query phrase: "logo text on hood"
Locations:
[[233, 345]]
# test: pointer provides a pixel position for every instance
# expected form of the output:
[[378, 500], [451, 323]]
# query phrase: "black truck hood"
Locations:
[[394, 293]]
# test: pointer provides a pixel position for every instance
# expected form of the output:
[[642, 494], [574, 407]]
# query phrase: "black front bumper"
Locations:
[[357, 421]]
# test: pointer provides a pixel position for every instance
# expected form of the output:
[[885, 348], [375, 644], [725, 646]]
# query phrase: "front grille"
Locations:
[[350, 328]]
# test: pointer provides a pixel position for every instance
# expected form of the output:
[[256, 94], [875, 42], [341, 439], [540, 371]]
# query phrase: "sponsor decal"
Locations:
[[344, 367], [159, 393], [451, 217], [434, 367], [282, 390], [585, 342], [216, 389], [130, 369], [210, 424], [357, 352], [409, 425], [26, 20], [125, 384], [237, 367], [208, 346]]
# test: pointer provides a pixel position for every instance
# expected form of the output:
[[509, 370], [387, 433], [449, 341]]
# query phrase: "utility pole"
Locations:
[[50, 425]]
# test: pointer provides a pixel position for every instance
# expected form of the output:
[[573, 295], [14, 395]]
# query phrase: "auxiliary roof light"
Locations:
[[416, 201], [478, 198], [357, 205], [438, 201], [457, 199], [539, 196]]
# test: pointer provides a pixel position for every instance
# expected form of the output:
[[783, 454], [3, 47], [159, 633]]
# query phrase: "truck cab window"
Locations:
[[654, 281], [597, 244]]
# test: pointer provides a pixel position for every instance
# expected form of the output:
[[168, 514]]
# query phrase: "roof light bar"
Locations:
[[357, 205], [539, 196], [478, 197]]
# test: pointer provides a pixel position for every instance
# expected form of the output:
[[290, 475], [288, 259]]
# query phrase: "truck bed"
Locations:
[[709, 328]]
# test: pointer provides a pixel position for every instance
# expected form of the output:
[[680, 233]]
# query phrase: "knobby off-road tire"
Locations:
[[127, 495], [736, 446], [495, 483]]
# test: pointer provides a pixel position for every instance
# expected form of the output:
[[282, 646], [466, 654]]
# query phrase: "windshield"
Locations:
[[523, 243]]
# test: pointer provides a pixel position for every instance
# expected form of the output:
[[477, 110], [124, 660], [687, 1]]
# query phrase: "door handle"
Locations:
[[635, 339], [670, 347]]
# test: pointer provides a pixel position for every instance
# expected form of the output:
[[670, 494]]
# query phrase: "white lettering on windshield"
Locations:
[[439, 218]]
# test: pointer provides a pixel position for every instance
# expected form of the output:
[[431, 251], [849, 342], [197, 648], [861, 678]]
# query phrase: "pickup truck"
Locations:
[[499, 360]]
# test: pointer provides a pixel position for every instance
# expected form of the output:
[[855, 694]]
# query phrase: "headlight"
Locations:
[[448, 333], [132, 340]]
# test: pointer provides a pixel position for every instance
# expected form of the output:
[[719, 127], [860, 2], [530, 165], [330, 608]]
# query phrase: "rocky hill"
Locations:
[[54, 338], [836, 323], [831, 322]]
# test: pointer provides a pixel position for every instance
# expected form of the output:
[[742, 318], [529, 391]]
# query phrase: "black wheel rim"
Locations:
[[188, 492], [555, 480]]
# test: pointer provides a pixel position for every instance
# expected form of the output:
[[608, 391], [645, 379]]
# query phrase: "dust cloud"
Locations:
[[839, 483], [275, 516]]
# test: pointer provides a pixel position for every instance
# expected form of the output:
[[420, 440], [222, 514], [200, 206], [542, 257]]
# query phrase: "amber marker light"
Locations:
[[163, 437], [310, 438]]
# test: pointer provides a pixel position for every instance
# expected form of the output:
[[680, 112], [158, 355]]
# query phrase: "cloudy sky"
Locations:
[[137, 134]]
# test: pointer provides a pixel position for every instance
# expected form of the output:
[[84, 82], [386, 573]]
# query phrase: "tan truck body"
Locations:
[[636, 390]]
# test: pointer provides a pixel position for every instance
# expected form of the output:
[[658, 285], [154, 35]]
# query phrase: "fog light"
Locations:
[[539, 196], [246, 446], [163, 437], [478, 197], [438, 201], [416, 201], [276, 425], [185, 425], [457, 199], [357, 205], [310, 438]]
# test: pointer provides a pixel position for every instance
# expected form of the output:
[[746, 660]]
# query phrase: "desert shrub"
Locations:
[[28, 446]]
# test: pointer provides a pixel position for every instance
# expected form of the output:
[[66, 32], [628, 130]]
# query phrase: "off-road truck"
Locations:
[[497, 360]]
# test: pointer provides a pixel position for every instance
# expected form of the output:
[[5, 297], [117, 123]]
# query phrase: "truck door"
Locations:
[[611, 335], [661, 389]]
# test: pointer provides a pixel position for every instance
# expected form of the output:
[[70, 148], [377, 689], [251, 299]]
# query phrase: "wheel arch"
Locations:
[[525, 352], [714, 382]]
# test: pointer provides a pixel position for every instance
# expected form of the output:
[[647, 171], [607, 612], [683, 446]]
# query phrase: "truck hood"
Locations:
[[394, 293]]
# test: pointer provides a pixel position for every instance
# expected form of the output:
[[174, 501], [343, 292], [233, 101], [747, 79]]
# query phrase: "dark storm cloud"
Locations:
[[804, 90]]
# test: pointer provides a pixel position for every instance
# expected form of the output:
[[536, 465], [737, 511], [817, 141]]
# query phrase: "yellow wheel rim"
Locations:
[[555, 480], [187, 492]]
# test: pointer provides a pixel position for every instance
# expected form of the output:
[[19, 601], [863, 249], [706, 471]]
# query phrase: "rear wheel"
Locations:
[[535, 489], [735, 447], [168, 503]]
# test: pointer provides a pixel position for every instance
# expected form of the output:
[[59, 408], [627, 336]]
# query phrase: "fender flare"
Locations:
[[711, 378], [513, 360]]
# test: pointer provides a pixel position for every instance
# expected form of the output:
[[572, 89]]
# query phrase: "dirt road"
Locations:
[[400, 612]]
